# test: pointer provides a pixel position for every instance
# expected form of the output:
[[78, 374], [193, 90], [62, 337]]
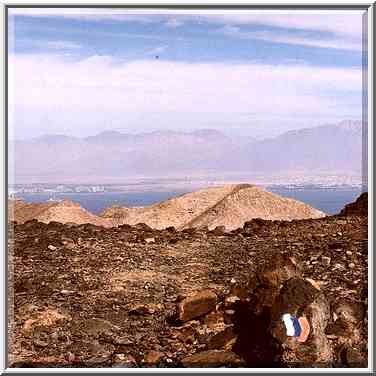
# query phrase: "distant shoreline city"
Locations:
[[107, 188]]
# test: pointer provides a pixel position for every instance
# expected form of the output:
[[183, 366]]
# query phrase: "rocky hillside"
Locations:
[[359, 207], [133, 296], [230, 206]]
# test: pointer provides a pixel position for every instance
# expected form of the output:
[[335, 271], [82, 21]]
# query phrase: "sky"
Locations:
[[258, 73]]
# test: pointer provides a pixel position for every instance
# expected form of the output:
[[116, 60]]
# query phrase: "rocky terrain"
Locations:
[[229, 205], [82, 295]]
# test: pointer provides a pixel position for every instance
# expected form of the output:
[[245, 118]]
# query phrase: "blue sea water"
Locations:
[[329, 200], [97, 202]]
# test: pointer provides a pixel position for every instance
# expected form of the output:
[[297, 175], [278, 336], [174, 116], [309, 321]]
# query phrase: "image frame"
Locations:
[[369, 80]]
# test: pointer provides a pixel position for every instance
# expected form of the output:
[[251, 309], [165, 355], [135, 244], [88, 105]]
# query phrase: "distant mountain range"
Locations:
[[59, 158]]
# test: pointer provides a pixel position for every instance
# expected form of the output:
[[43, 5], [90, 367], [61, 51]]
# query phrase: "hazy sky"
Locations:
[[79, 72]]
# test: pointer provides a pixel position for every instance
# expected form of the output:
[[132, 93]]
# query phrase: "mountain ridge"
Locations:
[[332, 149]]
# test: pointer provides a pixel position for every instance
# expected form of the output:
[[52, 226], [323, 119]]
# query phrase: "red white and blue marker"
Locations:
[[296, 327]]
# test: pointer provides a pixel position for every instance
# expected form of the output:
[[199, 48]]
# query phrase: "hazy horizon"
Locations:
[[112, 156], [224, 132]]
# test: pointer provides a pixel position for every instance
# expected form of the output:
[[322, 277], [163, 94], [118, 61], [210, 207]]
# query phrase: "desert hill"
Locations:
[[63, 212], [22, 211], [230, 206]]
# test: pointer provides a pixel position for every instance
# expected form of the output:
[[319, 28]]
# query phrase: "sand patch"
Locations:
[[48, 317]]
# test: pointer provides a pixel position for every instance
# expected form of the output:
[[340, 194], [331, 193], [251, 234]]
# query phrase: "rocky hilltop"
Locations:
[[134, 296], [229, 206]]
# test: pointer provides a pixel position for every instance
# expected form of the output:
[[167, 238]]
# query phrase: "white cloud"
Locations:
[[157, 50], [346, 22], [83, 14], [343, 28], [174, 23], [290, 38], [51, 44], [52, 93], [61, 45]]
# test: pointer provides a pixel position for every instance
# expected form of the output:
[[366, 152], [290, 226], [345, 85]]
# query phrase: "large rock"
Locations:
[[213, 358], [280, 269], [196, 305], [348, 317], [300, 298], [223, 339], [270, 278]]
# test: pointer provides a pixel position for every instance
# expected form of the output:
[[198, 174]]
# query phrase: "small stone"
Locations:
[[351, 265], [228, 316], [150, 240], [52, 248], [223, 339], [213, 358], [186, 334], [315, 284], [70, 357], [214, 319], [331, 336], [341, 222], [326, 260], [67, 292], [95, 360], [350, 311], [348, 253], [69, 244], [231, 300], [123, 341], [196, 305], [339, 267], [143, 309], [124, 361], [354, 358], [335, 245], [40, 342], [219, 230], [153, 357]]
